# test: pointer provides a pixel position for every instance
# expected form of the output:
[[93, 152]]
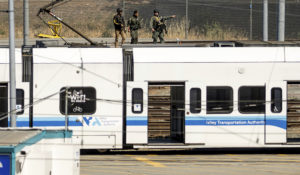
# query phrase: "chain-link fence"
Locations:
[[206, 20]]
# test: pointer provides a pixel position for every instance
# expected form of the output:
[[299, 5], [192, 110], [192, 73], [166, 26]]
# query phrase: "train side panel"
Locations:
[[98, 69], [220, 69]]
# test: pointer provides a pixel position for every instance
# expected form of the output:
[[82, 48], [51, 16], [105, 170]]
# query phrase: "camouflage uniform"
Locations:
[[119, 24], [158, 24], [134, 25]]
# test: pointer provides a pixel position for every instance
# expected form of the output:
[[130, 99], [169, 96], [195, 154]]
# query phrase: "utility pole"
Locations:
[[25, 22], [124, 9], [24, 54], [265, 21], [281, 20], [12, 70], [186, 18], [251, 19]]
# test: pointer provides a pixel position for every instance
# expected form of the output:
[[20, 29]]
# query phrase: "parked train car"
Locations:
[[219, 97], [166, 97], [93, 79]]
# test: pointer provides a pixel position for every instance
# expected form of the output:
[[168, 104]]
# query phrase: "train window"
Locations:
[[137, 100], [195, 100], [252, 99], [81, 101], [219, 100], [20, 102], [276, 100]]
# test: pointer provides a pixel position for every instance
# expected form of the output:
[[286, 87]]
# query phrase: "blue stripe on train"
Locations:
[[136, 121], [278, 121], [47, 121]]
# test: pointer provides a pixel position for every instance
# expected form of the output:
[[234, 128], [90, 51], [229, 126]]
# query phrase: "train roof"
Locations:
[[214, 54], [67, 55], [4, 55], [159, 55], [77, 55]]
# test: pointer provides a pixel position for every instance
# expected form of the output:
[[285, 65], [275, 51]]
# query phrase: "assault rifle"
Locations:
[[163, 26]]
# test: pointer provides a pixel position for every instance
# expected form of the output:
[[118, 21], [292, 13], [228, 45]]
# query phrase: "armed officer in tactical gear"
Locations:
[[158, 26], [119, 24], [134, 25]]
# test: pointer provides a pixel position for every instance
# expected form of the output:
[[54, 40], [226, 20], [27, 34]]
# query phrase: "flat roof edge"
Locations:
[[45, 134]]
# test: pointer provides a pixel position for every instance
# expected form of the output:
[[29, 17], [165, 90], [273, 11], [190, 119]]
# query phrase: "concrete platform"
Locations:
[[192, 163], [16, 137]]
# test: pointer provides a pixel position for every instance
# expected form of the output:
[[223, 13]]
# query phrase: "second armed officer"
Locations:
[[134, 24]]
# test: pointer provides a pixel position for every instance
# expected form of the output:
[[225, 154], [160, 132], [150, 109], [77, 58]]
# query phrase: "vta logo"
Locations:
[[1, 165], [91, 121]]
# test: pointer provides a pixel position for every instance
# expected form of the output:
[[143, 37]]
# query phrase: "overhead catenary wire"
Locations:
[[5, 115]]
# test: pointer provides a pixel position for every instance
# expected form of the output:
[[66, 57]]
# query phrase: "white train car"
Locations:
[[176, 97], [228, 97], [22, 88], [93, 78]]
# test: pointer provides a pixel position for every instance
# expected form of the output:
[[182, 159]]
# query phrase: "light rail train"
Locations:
[[160, 97]]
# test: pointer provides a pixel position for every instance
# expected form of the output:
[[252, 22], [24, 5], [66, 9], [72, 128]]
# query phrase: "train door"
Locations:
[[137, 113], [166, 113], [276, 113], [3, 104], [293, 112], [194, 114]]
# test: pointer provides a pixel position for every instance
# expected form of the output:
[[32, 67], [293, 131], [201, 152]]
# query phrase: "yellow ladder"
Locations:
[[55, 28]]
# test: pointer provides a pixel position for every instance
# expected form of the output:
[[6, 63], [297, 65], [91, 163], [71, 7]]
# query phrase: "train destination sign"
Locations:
[[81, 100]]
